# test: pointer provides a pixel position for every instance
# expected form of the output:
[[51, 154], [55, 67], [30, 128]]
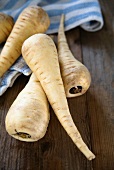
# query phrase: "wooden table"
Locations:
[[93, 112]]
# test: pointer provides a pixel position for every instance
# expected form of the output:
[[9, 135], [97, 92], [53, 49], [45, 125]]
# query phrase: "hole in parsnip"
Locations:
[[75, 90], [22, 134]]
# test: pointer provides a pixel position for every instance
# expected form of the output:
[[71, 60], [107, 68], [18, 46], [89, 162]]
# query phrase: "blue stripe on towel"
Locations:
[[77, 7], [76, 18], [10, 4]]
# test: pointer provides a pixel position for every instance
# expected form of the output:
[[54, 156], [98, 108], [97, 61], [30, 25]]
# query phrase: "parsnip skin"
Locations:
[[76, 77], [6, 25], [32, 20], [28, 117], [40, 53]]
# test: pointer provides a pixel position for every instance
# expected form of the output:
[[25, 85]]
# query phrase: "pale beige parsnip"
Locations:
[[28, 117], [76, 77], [32, 20], [40, 53], [6, 25]]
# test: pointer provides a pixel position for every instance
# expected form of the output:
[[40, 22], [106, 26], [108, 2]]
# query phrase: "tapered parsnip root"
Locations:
[[40, 54], [28, 117], [6, 25], [32, 20], [75, 75]]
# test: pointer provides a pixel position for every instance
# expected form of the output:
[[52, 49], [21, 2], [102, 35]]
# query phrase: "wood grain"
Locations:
[[98, 51], [93, 113]]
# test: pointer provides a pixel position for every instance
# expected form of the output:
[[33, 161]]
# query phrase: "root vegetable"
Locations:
[[32, 20], [6, 25], [40, 53], [75, 75], [28, 117]]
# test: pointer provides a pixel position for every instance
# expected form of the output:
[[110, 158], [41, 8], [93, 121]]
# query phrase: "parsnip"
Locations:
[[6, 25], [76, 77], [28, 117], [40, 54], [32, 20]]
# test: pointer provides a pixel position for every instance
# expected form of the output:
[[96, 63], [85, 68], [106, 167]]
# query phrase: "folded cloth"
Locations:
[[84, 13]]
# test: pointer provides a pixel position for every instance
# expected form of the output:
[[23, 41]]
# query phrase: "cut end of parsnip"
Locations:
[[75, 90], [77, 87], [26, 136], [21, 135]]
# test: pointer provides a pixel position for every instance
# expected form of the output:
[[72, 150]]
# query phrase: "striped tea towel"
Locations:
[[84, 13]]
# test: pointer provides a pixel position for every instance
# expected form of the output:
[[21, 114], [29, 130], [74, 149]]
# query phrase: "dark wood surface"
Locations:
[[93, 113]]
